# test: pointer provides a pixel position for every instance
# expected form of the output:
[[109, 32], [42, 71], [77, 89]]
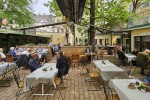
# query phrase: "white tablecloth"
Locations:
[[130, 57], [99, 63], [39, 76], [109, 70], [6, 66], [124, 93]]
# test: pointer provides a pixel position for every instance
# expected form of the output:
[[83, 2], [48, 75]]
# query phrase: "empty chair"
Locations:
[[57, 82], [101, 55], [83, 61], [109, 93], [9, 58], [19, 82], [75, 59]]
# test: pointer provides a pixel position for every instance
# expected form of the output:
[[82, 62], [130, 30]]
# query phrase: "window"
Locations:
[[106, 42], [95, 41], [118, 41], [100, 41], [145, 4]]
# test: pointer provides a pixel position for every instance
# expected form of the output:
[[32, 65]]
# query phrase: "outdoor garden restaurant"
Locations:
[[103, 77]]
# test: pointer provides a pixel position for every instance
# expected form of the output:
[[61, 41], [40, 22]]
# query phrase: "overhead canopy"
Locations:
[[72, 9], [13, 32]]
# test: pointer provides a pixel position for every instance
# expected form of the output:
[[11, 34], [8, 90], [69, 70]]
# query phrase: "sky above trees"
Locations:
[[38, 7]]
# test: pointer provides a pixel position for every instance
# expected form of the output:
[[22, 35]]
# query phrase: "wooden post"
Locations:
[[24, 36], [8, 42], [111, 38]]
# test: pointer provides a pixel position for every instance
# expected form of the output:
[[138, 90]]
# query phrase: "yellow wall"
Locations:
[[114, 38], [58, 39], [55, 37], [138, 32]]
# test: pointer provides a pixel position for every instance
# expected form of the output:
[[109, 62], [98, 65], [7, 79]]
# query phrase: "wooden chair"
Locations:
[[101, 55], [75, 59], [95, 76], [83, 61], [109, 93], [57, 82], [48, 58], [19, 82], [3, 78], [9, 58]]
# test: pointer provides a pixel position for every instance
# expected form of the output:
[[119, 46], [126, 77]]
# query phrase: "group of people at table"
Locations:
[[16, 51]]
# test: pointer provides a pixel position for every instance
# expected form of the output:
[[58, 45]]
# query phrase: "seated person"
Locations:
[[121, 56], [2, 55], [39, 52], [88, 50], [62, 64], [12, 51], [147, 80], [27, 52], [44, 54], [135, 52], [18, 50], [142, 60], [34, 64]]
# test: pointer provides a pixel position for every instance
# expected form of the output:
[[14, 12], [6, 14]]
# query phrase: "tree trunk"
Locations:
[[0, 22], [74, 34], [92, 22]]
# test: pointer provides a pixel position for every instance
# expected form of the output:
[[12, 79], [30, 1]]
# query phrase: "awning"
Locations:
[[72, 9]]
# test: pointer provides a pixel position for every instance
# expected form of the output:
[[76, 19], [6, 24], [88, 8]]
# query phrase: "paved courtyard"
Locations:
[[76, 90]]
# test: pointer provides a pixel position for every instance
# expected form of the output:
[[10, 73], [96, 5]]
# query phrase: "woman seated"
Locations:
[[12, 51]]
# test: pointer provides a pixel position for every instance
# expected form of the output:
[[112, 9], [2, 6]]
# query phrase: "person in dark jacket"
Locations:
[[34, 64], [62, 64], [121, 56]]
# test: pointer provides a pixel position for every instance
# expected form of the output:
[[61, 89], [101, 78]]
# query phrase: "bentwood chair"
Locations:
[[75, 59], [19, 82], [101, 55], [95, 76], [9, 58], [3, 78], [57, 82], [48, 57], [109, 93], [84, 64]]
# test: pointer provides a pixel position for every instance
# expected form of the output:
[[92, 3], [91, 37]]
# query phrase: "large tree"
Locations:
[[107, 15], [16, 12]]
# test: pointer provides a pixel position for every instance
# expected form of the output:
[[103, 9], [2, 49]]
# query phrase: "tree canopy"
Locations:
[[16, 11]]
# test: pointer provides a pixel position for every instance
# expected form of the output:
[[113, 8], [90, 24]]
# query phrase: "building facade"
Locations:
[[140, 28]]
